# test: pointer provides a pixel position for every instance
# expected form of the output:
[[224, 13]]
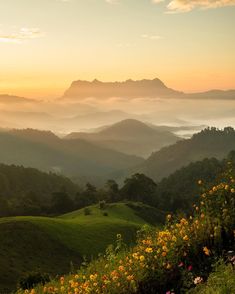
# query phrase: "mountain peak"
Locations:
[[128, 89]]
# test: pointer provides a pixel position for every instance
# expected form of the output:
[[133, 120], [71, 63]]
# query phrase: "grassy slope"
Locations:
[[50, 244]]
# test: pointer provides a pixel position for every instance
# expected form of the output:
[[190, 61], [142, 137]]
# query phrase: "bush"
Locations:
[[87, 211], [102, 204], [32, 279], [105, 214]]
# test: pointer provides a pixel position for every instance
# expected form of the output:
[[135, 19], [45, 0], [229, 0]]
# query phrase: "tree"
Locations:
[[87, 197], [61, 202], [139, 188], [112, 190]]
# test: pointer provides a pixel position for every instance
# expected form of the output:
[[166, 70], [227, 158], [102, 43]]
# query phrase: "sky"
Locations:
[[47, 44]]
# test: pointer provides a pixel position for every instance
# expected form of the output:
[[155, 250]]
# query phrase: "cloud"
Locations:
[[174, 6], [151, 37], [22, 35]]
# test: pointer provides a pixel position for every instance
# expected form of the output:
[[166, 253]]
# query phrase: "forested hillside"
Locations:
[[209, 143]]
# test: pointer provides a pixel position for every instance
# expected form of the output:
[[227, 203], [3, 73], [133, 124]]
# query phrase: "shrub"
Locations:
[[102, 204], [87, 211], [30, 280]]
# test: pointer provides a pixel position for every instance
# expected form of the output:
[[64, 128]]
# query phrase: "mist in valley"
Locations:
[[90, 114]]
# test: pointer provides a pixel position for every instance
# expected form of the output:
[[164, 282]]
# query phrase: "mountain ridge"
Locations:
[[153, 88], [128, 88], [129, 136]]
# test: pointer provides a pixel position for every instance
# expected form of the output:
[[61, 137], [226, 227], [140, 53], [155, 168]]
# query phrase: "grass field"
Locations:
[[51, 244]]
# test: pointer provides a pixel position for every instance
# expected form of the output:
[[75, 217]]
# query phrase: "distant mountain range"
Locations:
[[129, 136], [154, 88], [136, 89]]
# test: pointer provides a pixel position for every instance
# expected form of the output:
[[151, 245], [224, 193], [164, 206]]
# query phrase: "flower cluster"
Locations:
[[159, 253]]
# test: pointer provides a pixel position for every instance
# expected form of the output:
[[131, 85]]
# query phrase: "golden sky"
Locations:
[[46, 44]]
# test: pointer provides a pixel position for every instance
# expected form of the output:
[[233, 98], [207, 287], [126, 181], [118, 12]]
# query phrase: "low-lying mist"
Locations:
[[64, 116]]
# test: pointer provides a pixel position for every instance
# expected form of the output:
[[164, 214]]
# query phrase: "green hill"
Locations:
[[208, 143], [50, 244]]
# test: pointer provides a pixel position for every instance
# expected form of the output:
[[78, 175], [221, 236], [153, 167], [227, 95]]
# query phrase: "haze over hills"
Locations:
[[98, 103], [74, 158], [206, 144], [129, 136]]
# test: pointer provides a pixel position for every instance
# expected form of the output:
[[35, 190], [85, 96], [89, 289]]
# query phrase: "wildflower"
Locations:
[[93, 277], [130, 277], [198, 280], [185, 238], [121, 268], [149, 250], [169, 216], [168, 266], [214, 189], [202, 215], [190, 267], [181, 264], [232, 190], [206, 251], [142, 258], [199, 182], [135, 255], [164, 253]]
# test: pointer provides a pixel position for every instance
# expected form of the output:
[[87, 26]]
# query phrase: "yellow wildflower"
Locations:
[[142, 258], [185, 238], [206, 251], [149, 250]]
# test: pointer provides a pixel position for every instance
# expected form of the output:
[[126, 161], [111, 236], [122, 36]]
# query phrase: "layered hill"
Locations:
[[74, 158], [51, 245], [129, 136], [206, 144]]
